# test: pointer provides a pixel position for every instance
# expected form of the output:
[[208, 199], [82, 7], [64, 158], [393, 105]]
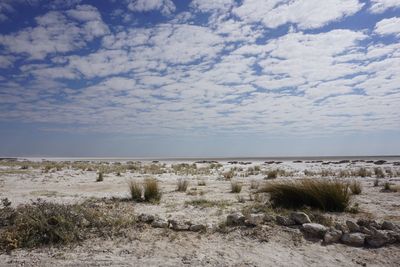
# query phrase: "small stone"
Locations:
[[378, 239], [368, 223], [179, 226], [300, 217], [353, 239], [159, 223], [365, 230], [353, 227], [332, 236], [236, 218], [197, 227], [146, 218], [285, 221], [255, 219], [340, 227], [314, 230], [386, 225]]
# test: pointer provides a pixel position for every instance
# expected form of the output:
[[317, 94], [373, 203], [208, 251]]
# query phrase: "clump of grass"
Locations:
[[387, 187], [100, 177], [152, 191], [236, 187], [240, 199], [146, 191], [376, 182], [327, 195], [379, 172], [254, 184], [355, 187], [362, 172], [182, 185], [135, 190], [201, 183], [272, 174], [228, 175]]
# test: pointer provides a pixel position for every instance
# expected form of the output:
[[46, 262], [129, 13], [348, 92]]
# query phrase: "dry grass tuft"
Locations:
[[236, 187], [152, 192], [327, 195], [182, 185], [135, 189], [100, 177], [355, 187]]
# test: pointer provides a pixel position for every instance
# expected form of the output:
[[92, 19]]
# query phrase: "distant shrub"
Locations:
[[254, 184], [228, 175], [236, 187], [100, 177], [355, 187], [182, 185], [376, 182], [379, 172], [327, 195], [272, 174], [201, 183], [362, 172]]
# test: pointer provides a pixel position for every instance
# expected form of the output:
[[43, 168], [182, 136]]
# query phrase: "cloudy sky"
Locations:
[[199, 78]]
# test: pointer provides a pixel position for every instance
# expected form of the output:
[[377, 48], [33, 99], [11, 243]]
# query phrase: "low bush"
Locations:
[[182, 185], [355, 187], [100, 177], [272, 174], [236, 187], [152, 192], [135, 189], [323, 194]]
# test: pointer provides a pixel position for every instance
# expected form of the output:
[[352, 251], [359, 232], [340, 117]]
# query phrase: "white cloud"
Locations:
[[379, 6], [212, 5], [6, 61], [388, 26], [55, 33], [307, 14], [166, 7]]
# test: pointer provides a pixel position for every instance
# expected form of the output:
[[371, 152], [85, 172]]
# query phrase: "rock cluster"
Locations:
[[368, 233], [176, 225]]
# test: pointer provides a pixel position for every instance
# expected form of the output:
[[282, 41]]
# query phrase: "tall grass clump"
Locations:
[[272, 174], [379, 172], [100, 177], [135, 189], [236, 187], [326, 195], [152, 192], [355, 187], [182, 185]]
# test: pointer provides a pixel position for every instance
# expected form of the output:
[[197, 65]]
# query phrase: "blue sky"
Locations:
[[163, 78]]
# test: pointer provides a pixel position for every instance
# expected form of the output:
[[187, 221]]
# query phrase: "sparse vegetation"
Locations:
[[327, 195], [376, 182], [228, 175], [236, 187], [43, 223], [182, 185], [254, 184], [379, 172], [201, 183], [273, 174], [152, 192], [355, 187], [135, 190]]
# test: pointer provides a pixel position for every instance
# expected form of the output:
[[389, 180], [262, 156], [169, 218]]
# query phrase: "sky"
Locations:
[[199, 78]]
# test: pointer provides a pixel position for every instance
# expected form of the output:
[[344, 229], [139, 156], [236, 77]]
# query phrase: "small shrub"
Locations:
[[376, 182], [354, 209], [236, 187], [362, 172], [228, 175], [254, 184], [379, 173], [182, 185], [100, 177], [327, 195], [355, 187], [201, 183], [135, 190], [152, 191], [272, 174], [240, 199]]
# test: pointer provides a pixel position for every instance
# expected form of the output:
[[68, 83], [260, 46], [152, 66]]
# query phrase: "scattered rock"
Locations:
[[365, 230], [146, 218], [380, 162], [300, 217], [332, 236], [353, 227], [386, 225], [179, 226], [340, 227], [368, 223], [285, 221], [314, 230], [269, 218], [197, 227], [254, 219], [353, 239], [159, 223], [378, 239], [236, 218]]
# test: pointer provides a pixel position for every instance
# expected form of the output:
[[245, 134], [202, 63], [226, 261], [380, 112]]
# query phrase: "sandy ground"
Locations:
[[145, 246]]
